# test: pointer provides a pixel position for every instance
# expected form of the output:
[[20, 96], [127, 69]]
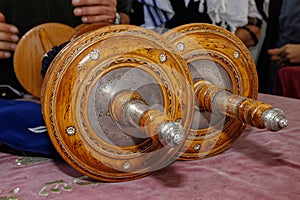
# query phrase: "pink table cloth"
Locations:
[[288, 82], [260, 165]]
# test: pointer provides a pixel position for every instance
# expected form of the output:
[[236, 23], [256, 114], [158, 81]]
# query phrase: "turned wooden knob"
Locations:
[[250, 111], [129, 108]]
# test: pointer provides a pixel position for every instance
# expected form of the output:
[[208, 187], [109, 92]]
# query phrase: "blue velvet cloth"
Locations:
[[47, 59], [22, 125], [23, 128]]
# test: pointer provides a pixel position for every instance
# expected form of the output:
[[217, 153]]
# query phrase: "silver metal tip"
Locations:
[[171, 134]]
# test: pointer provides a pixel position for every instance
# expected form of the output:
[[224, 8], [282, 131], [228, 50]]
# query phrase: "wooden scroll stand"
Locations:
[[226, 86]]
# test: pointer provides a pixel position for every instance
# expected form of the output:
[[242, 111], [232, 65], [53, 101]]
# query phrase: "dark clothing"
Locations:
[[260, 8], [271, 36], [186, 15], [282, 28], [183, 15], [26, 14], [136, 13], [289, 22]]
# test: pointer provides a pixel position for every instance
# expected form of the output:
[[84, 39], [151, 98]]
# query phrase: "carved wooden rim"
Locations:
[[201, 42], [74, 73]]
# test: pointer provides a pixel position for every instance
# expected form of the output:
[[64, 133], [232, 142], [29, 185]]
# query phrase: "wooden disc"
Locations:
[[82, 81], [218, 56], [31, 49]]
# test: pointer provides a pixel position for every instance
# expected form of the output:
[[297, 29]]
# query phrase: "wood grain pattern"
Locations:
[[82, 81], [103, 67], [218, 56], [30, 50]]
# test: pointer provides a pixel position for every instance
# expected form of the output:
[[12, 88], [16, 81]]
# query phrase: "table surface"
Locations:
[[260, 165]]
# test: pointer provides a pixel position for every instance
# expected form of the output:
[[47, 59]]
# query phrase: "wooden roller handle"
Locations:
[[130, 109], [45, 40], [250, 111]]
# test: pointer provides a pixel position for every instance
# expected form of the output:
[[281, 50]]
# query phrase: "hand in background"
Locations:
[[92, 11], [246, 37], [8, 38], [289, 53]]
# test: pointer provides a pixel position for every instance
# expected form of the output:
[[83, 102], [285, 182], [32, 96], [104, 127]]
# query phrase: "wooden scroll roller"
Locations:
[[31, 49], [118, 103], [226, 89], [35, 44]]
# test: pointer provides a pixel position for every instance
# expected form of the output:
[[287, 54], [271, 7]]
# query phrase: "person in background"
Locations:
[[17, 17], [241, 17], [288, 54], [281, 46]]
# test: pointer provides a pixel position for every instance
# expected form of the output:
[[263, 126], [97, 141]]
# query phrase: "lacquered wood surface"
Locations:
[[30, 50], [218, 56], [84, 111], [82, 81]]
